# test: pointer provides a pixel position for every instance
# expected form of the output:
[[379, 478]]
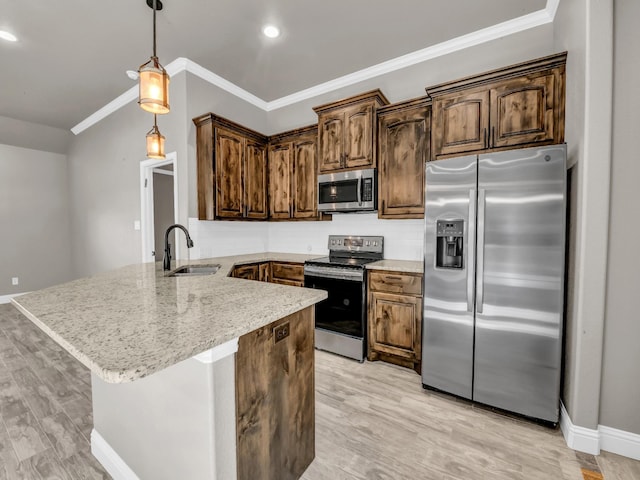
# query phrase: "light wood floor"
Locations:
[[374, 421]]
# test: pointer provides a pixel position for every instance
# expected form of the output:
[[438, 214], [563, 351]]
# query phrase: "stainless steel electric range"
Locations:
[[341, 319]]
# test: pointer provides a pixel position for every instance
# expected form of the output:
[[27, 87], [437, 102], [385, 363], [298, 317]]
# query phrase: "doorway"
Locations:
[[159, 205]]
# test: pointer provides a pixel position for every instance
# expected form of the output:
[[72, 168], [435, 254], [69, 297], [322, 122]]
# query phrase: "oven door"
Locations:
[[344, 311]]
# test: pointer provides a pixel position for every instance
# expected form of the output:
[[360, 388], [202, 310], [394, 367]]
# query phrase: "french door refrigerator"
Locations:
[[493, 278]]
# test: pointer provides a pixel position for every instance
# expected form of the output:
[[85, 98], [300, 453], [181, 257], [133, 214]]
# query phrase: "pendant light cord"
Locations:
[[154, 29]]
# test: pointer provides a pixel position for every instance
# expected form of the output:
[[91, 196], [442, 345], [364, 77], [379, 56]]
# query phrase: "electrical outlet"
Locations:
[[280, 332], [136, 225], [15, 281]]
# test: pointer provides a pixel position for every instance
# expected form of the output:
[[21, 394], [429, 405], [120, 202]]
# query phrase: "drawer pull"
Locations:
[[393, 277]]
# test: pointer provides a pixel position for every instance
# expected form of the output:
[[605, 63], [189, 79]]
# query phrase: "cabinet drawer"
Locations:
[[287, 271], [393, 282]]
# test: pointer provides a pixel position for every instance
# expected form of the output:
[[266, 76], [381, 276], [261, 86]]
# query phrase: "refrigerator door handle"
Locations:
[[480, 265], [471, 242]]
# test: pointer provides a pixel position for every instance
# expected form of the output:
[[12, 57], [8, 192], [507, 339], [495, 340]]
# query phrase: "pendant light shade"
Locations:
[[154, 87], [155, 142], [154, 80]]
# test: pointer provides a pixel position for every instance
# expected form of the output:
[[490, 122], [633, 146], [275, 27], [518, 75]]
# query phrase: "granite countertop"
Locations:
[[131, 322], [407, 266]]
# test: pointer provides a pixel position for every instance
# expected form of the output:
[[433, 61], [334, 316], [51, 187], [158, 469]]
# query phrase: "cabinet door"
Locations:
[[248, 272], [280, 181], [331, 141], [305, 179], [264, 271], [229, 162], [287, 272], [460, 122], [523, 111], [395, 325], [359, 136], [402, 141], [255, 181]]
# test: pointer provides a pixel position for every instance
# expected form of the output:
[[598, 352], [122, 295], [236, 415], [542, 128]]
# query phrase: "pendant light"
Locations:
[[155, 141], [154, 80]]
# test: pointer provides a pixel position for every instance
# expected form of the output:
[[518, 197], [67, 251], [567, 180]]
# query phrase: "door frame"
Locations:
[[147, 230]]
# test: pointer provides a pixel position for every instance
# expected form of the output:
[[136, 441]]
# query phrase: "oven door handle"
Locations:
[[335, 273]]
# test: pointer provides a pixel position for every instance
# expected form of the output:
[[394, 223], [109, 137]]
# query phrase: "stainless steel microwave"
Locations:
[[353, 191]]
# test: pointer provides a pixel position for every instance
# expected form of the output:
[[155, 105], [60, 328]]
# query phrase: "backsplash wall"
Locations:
[[402, 238]]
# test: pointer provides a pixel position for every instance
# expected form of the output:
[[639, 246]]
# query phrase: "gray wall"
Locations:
[[34, 213], [32, 135], [621, 363], [584, 28]]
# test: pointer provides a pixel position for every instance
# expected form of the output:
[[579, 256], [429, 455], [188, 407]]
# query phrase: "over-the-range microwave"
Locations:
[[352, 191]]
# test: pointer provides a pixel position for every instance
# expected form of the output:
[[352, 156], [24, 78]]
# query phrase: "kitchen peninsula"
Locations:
[[192, 377]]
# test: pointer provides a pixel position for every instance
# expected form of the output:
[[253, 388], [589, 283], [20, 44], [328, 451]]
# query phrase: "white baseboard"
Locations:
[[7, 298], [578, 438], [619, 442], [109, 459], [604, 438]]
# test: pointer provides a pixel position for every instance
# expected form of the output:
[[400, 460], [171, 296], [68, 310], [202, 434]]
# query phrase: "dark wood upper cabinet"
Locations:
[[255, 180], [229, 155], [403, 149], [293, 174], [331, 138], [232, 170], [518, 106], [347, 132], [305, 176], [523, 110], [461, 122], [280, 167]]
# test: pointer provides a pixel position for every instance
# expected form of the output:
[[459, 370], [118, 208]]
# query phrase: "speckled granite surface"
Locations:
[[408, 266], [129, 323]]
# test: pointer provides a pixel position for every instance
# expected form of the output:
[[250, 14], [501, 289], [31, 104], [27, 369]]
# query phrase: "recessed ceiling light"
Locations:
[[133, 75], [10, 37], [271, 31]]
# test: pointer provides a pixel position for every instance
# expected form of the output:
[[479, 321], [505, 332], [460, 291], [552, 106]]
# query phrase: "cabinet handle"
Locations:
[[493, 136], [393, 277], [484, 135]]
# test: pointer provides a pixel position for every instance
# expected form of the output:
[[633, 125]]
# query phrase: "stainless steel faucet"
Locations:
[[166, 261]]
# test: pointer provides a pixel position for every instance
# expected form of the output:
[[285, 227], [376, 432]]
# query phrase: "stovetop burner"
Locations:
[[350, 251]]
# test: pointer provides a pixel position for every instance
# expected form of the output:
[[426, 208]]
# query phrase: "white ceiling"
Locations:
[[72, 55]]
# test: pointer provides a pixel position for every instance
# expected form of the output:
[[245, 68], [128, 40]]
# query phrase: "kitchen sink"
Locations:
[[194, 270]]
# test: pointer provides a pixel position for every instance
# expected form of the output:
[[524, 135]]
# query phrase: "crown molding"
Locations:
[[525, 22]]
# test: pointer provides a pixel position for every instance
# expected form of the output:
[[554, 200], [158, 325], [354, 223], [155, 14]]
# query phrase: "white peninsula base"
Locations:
[[177, 423]]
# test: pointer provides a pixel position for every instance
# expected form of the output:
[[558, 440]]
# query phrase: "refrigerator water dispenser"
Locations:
[[450, 236]]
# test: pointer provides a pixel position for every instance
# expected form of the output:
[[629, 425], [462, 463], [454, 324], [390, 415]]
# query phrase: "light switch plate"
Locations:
[[15, 281]]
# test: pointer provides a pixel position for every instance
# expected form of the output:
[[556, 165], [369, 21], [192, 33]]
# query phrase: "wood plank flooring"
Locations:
[[373, 421]]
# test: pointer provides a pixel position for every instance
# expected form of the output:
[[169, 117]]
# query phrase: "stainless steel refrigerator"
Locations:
[[494, 277]]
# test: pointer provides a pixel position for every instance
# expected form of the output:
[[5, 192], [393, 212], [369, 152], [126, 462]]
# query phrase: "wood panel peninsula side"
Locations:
[[208, 377]]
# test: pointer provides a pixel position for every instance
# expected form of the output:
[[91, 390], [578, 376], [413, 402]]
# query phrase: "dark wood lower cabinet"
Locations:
[[284, 273], [275, 399], [395, 318], [248, 272], [287, 273]]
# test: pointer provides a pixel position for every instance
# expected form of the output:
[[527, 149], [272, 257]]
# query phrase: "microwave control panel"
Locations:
[[367, 189]]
